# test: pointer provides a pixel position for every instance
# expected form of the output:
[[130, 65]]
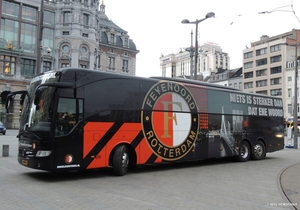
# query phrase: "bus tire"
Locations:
[[259, 151], [120, 160], [244, 152]]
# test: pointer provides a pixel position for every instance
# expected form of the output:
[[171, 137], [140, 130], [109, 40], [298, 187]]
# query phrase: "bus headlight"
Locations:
[[43, 153], [279, 135]]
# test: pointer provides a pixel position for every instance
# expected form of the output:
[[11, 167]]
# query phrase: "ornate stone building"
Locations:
[[210, 58], [67, 33]]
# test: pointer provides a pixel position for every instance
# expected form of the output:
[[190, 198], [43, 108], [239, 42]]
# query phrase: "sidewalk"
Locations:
[[290, 184]]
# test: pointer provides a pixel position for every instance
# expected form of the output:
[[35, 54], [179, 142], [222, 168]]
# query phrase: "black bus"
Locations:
[[77, 119]]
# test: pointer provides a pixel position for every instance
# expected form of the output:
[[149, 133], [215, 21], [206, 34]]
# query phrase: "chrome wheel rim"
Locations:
[[125, 160], [244, 151], [258, 150]]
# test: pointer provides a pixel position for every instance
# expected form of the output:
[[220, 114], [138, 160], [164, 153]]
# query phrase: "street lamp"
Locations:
[[208, 15], [191, 50]]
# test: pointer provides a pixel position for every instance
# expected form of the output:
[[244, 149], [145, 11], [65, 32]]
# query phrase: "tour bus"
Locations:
[[78, 119]]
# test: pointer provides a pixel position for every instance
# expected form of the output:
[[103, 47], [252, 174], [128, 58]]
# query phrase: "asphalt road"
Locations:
[[213, 184]]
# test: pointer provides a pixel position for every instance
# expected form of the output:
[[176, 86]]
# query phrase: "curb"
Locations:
[[280, 186]]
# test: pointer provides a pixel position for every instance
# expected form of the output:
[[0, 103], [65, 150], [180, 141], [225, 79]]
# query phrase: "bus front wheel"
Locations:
[[244, 152], [120, 160], [259, 151]]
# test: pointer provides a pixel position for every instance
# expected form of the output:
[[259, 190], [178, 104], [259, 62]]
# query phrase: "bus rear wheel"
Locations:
[[259, 151], [120, 160], [244, 152]]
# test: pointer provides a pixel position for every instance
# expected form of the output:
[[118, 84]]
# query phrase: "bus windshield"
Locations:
[[37, 117]]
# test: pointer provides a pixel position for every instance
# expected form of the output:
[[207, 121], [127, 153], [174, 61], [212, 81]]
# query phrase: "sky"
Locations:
[[156, 29]]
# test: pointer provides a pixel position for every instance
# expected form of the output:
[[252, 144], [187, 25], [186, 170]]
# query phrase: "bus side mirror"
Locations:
[[38, 93], [8, 101]]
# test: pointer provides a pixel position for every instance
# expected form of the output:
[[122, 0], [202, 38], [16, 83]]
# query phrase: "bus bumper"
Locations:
[[36, 163]]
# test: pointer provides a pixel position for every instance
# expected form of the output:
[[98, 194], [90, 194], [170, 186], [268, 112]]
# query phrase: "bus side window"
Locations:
[[69, 112]]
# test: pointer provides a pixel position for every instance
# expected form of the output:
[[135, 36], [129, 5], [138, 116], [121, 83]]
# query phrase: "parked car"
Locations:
[[2, 128]]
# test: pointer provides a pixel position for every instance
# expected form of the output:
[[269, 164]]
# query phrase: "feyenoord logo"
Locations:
[[69, 159], [170, 120]]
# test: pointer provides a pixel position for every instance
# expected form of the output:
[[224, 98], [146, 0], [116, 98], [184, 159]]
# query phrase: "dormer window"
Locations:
[[112, 38]]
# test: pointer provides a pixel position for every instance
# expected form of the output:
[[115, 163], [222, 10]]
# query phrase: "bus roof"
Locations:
[[159, 78], [190, 81]]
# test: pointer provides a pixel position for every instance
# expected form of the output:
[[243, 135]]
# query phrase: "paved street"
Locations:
[[214, 184]]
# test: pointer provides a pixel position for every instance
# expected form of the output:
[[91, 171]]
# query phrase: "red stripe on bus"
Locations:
[[93, 131]]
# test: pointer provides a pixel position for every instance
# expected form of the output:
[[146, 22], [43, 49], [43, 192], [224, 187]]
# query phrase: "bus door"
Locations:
[[68, 134]]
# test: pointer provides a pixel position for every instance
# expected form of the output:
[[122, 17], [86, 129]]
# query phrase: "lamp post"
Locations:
[[295, 105], [191, 50], [196, 22], [295, 120], [40, 39]]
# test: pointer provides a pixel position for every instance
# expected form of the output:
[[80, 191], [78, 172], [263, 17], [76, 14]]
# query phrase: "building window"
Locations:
[[48, 37], [289, 106], [66, 33], [112, 38], [83, 66], [29, 13], [111, 63], [263, 92], [248, 55], [86, 3], [46, 66], [67, 17], [275, 70], [262, 72], [126, 42], [48, 18], [248, 75], [98, 62], [261, 51], [276, 81], [289, 79], [275, 48], [261, 62], [27, 67], [248, 65], [85, 35], [275, 59], [125, 66], [276, 92], [9, 31], [289, 92], [248, 85], [10, 9], [28, 37], [85, 20], [65, 64], [83, 50], [65, 48], [261, 83], [7, 64]]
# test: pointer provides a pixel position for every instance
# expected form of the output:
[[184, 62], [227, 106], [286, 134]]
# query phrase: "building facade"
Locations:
[[269, 67], [230, 78], [210, 58], [37, 36]]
